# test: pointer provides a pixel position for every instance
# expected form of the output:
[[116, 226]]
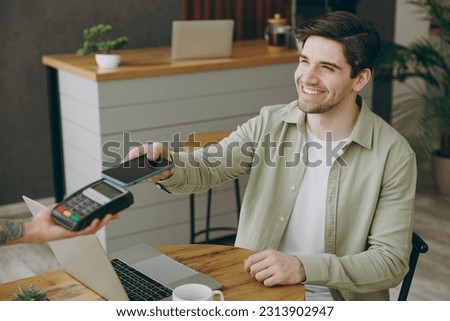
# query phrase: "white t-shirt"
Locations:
[[305, 232]]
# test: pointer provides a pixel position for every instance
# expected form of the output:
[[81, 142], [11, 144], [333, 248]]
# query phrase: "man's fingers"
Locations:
[[161, 176], [137, 151], [255, 263], [157, 150], [255, 258]]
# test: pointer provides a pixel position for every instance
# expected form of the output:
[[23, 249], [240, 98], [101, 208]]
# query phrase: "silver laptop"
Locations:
[[202, 39], [84, 258]]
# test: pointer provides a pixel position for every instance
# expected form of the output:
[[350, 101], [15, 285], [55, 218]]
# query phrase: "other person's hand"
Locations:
[[42, 228]]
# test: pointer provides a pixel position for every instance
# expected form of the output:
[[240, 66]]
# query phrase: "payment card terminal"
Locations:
[[92, 201]]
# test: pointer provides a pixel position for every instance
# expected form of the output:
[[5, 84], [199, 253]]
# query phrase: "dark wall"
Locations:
[[381, 14], [32, 28]]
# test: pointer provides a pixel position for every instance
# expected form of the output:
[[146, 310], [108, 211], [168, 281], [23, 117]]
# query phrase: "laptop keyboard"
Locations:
[[138, 286]]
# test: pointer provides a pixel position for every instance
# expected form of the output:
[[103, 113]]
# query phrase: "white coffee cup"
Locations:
[[195, 292]]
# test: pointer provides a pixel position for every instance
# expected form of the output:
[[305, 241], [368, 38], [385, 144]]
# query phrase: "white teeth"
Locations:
[[311, 91]]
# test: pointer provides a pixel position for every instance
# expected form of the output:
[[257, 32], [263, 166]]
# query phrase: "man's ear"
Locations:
[[362, 79]]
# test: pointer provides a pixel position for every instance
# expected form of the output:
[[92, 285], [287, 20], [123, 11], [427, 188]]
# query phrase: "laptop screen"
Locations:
[[202, 39]]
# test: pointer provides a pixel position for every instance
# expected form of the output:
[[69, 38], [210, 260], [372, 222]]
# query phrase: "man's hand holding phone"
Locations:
[[154, 152]]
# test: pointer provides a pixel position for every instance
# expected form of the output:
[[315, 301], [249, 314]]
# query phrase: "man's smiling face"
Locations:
[[323, 77]]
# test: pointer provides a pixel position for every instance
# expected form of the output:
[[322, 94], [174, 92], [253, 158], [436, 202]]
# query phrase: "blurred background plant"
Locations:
[[422, 114]]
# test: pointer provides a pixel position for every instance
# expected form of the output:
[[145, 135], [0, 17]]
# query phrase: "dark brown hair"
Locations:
[[359, 40]]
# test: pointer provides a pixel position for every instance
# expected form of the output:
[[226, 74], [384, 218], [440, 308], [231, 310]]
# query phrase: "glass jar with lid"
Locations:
[[277, 32]]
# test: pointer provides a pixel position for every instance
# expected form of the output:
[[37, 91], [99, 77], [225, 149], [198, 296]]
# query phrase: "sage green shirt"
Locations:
[[370, 196]]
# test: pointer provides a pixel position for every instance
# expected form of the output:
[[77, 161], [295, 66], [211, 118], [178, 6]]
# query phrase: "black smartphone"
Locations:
[[136, 170]]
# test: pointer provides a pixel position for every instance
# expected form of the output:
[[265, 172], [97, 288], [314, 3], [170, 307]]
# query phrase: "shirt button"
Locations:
[[282, 219], [293, 188]]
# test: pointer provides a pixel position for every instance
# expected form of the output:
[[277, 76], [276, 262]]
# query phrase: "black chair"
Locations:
[[418, 246], [208, 229], [191, 143]]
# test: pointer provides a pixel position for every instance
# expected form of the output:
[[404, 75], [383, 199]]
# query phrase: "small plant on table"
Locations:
[[30, 294]]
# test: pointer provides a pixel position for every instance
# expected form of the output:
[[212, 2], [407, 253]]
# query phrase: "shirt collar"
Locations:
[[295, 116], [361, 134]]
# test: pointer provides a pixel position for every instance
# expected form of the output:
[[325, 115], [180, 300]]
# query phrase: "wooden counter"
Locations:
[[152, 62]]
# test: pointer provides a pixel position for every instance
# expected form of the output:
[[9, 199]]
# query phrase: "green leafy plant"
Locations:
[[94, 40], [423, 113], [30, 294]]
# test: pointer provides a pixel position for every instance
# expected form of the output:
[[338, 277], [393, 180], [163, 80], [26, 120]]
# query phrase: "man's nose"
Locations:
[[309, 75]]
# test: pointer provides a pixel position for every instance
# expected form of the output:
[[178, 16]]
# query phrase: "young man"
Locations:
[[41, 228], [330, 197]]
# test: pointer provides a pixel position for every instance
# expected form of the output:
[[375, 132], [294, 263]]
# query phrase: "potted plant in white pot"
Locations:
[[423, 114], [94, 41]]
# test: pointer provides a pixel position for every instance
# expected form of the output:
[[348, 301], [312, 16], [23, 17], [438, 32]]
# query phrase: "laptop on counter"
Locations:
[[138, 273], [202, 39]]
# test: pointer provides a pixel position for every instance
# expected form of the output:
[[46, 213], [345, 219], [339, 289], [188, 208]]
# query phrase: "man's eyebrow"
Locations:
[[326, 63]]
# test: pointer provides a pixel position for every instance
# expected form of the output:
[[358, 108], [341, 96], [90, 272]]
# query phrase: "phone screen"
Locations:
[[136, 170]]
